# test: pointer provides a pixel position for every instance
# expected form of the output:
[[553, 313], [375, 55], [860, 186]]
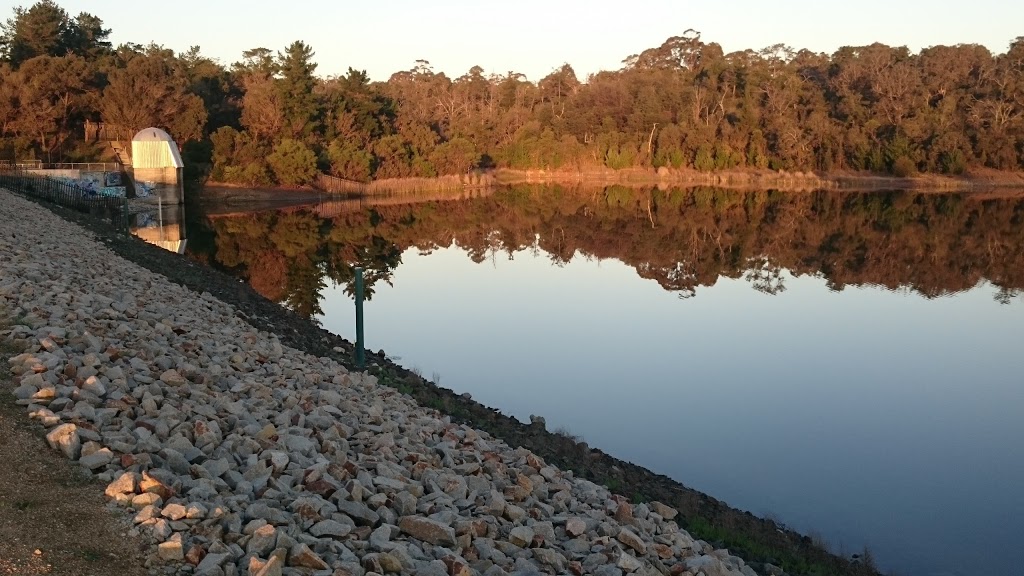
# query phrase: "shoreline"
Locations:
[[986, 181], [758, 540], [760, 179]]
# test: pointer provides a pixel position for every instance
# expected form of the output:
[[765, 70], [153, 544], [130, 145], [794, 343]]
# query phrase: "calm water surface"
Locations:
[[850, 365]]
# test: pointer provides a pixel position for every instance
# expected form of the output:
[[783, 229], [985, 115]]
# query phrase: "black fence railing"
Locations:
[[110, 209]]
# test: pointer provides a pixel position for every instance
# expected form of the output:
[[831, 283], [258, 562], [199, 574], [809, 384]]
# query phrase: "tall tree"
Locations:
[[50, 92], [211, 82], [152, 90], [297, 82], [263, 107], [87, 37], [42, 30], [45, 29], [558, 87], [256, 61], [8, 99]]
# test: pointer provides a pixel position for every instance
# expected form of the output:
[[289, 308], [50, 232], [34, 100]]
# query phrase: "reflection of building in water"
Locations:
[[162, 225]]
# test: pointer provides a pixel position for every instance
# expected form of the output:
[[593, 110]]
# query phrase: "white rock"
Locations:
[[65, 438], [173, 512], [97, 459], [628, 562], [170, 551]]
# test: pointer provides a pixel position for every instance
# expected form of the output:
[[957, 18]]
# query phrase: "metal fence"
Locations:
[[40, 165], [84, 166], [111, 209], [21, 164], [336, 185]]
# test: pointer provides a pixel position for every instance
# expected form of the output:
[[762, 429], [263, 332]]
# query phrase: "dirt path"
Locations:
[[53, 519]]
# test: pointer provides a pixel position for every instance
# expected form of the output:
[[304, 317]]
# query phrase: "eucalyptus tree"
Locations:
[[949, 76], [424, 109], [557, 88], [476, 118], [997, 113], [355, 115]]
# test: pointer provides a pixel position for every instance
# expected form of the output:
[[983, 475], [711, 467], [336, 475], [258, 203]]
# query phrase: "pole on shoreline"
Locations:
[[125, 217], [360, 350]]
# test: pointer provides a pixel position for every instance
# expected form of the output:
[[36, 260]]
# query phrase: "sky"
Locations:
[[534, 37]]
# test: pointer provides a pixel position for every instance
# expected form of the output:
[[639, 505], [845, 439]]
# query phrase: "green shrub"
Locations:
[[349, 161], [724, 158], [293, 163], [255, 174], [953, 162], [704, 161], [904, 167]]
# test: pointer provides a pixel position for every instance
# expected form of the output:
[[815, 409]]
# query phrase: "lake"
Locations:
[[848, 364]]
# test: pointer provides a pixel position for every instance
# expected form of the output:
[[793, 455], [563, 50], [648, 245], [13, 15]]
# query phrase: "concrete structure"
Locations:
[[95, 179], [157, 168]]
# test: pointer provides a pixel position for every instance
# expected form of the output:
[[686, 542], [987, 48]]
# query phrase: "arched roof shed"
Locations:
[[154, 148]]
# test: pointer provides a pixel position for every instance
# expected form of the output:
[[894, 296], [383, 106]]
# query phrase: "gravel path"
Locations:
[[238, 455]]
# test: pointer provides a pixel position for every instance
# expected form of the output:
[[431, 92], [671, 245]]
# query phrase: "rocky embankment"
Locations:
[[238, 455]]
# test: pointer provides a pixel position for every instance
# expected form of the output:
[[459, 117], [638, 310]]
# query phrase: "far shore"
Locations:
[[760, 179], [985, 181]]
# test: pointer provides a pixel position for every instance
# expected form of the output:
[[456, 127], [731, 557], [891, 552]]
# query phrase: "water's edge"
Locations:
[[999, 181], [756, 540]]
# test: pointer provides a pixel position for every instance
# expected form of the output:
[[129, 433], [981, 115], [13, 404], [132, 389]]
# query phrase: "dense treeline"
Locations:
[[684, 104], [681, 238]]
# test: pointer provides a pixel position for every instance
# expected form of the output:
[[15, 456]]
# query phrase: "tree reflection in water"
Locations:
[[935, 244]]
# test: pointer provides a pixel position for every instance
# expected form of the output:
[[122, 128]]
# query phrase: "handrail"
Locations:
[[20, 164], [105, 166], [106, 132], [39, 165]]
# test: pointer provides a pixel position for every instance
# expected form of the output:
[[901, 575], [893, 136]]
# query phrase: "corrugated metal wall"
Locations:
[[155, 154]]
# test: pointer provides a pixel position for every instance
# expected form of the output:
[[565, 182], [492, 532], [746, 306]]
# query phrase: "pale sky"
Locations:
[[534, 37]]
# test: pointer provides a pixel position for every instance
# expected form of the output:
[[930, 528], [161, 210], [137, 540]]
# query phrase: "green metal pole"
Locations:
[[124, 217], [360, 349]]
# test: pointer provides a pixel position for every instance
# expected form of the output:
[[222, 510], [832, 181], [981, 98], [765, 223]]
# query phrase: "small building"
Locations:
[[157, 168]]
